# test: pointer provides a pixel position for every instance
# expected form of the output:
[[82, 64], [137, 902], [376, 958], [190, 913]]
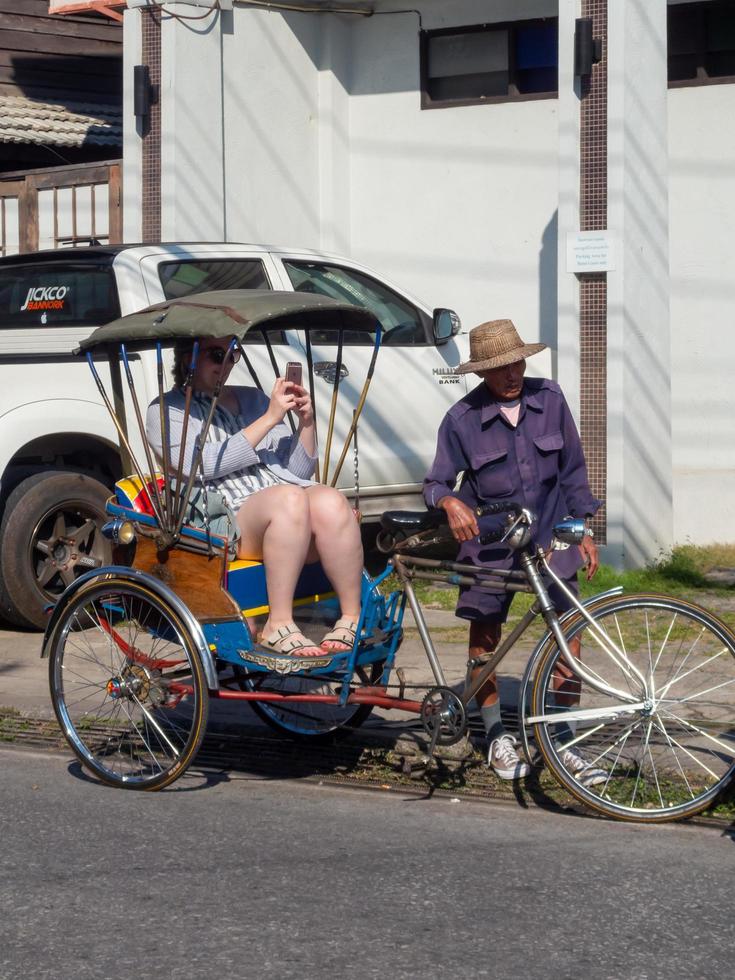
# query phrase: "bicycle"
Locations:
[[645, 709]]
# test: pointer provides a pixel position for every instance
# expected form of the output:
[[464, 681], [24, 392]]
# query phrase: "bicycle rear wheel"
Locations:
[[309, 721], [670, 752]]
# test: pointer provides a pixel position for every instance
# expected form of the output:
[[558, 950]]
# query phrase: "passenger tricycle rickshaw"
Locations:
[[138, 649]]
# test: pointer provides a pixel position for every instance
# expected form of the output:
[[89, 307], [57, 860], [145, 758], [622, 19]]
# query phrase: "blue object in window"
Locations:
[[537, 46]]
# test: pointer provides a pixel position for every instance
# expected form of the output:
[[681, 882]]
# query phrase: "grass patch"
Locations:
[[683, 569]]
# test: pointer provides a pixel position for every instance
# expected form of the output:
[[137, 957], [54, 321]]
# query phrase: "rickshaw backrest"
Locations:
[[133, 495]]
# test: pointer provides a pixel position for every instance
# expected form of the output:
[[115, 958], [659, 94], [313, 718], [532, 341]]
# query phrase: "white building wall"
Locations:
[[271, 134], [458, 203], [702, 217]]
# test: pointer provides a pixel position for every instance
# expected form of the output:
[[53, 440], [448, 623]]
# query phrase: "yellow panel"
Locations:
[[307, 600]]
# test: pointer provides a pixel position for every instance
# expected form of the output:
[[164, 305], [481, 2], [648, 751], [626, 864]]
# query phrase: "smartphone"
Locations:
[[293, 372]]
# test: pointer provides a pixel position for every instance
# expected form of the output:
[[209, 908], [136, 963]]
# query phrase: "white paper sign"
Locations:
[[590, 251]]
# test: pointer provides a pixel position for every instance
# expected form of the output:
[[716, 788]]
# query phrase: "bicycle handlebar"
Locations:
[[497, 535], [499, 507]]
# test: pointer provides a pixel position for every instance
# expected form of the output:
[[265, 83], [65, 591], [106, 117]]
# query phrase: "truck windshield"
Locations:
[[56, 295]]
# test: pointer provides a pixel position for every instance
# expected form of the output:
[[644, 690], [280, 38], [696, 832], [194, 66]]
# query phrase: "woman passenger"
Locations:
[[263, 471]]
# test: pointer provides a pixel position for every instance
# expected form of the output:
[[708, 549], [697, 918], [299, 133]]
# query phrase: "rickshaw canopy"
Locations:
[[229, 312]]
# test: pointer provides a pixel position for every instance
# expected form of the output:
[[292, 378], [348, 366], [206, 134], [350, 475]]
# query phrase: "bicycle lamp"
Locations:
[[119, 532], [571, 530]]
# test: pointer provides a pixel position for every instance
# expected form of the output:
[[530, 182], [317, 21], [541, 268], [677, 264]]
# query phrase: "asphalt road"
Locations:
[[233, 877]]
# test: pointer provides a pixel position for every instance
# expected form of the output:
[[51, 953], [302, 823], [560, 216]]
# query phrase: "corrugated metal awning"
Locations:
[[59, 124]]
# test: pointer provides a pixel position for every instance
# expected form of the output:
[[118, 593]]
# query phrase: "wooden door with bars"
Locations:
[[61, 206]]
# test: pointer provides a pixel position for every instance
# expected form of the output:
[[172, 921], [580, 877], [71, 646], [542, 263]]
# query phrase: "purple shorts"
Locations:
[[493, 607]]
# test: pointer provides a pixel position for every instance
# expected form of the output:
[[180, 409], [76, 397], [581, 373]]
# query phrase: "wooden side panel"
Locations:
[[115, 226], [196, 579]]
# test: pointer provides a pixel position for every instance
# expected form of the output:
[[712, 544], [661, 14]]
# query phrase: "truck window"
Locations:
[[57, 295], [189, 276], [204, 275], [402, 323]]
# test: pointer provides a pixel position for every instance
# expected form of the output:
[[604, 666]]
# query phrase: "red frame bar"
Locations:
[[376, 699]]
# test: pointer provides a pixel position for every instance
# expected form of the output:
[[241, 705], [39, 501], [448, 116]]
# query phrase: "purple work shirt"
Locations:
[[539, 463]]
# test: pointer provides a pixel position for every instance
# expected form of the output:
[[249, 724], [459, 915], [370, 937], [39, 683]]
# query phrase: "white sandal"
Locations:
[[288, 640], [342, 633]]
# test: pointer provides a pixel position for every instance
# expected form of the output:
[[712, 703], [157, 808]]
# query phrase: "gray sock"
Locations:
[[492, 722]]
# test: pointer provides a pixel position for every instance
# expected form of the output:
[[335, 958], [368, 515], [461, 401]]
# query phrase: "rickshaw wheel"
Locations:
[[127, 684], [311, 721]]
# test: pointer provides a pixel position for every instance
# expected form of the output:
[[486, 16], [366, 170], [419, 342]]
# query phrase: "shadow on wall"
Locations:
[[548, 291]]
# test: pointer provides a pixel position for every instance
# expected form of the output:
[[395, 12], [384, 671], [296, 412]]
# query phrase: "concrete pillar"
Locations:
[[639, 448]]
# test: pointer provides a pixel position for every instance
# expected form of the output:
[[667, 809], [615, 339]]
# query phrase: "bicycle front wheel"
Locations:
[[127, 684], [666, 750]]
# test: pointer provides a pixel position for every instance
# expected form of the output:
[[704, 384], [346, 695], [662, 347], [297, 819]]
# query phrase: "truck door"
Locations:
[[412, 388]]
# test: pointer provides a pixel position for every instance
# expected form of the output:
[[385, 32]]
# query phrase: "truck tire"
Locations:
[[50, 534]]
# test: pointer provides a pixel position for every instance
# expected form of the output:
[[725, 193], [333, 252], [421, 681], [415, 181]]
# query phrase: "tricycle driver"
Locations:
[[511, 437]]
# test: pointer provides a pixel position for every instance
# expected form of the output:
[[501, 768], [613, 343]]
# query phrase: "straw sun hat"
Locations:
[[495, 344]]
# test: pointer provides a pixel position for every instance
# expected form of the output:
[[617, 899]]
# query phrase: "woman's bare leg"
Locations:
[[275, 528], [338, 544]]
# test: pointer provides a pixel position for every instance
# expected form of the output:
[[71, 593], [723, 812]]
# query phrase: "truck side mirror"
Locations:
[[446, 325]]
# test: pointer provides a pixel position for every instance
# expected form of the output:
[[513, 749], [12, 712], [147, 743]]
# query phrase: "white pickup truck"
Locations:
[[58, 448]]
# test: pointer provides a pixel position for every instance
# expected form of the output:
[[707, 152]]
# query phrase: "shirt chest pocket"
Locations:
[[492, 473], [548, 456]]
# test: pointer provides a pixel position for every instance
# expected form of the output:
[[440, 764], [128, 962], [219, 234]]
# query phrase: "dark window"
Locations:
[[701, 43], [402, 323], [206, 275], [490, 63], [57, 295]]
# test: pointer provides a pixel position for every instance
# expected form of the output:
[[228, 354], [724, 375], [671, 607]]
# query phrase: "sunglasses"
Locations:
[[217, 355]]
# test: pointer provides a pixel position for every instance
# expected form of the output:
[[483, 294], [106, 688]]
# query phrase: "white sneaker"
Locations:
[[583, 772], [503, 758]]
